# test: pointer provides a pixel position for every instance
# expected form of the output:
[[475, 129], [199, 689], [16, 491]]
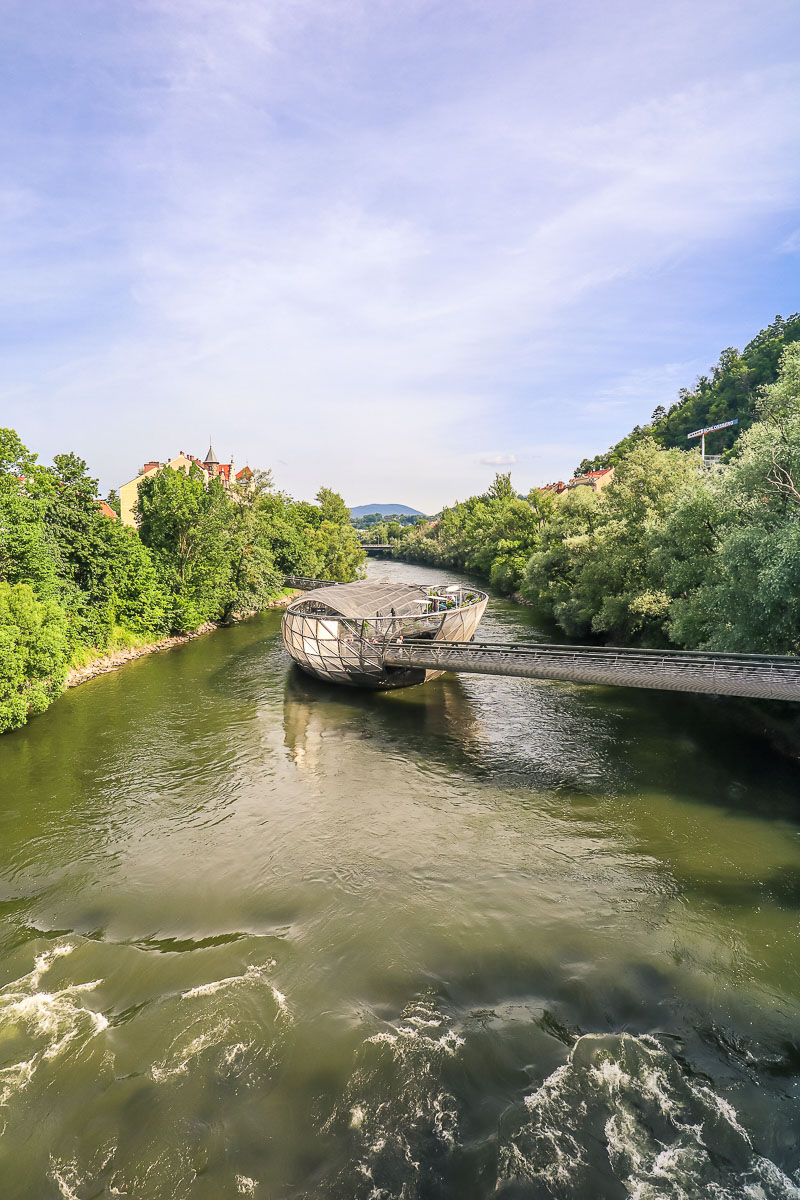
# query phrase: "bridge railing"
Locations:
[[775, 677]]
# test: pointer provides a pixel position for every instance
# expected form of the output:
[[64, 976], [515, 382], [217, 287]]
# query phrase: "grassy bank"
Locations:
[[126, 646]]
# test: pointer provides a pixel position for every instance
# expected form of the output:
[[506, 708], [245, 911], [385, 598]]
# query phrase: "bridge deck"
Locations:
[[765, 677]]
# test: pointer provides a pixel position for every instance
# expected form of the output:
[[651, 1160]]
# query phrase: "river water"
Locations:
[[263, 937]]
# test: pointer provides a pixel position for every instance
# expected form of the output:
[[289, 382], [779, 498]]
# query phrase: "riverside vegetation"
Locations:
[[667, 554], [75, 584]]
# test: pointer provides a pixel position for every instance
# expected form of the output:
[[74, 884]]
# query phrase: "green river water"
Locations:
[[485, 937]]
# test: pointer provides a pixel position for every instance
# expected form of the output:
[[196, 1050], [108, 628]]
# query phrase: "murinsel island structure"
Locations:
[[340, 632], [390, 635]]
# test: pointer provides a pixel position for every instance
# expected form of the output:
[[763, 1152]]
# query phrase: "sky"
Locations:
[[388, 246]]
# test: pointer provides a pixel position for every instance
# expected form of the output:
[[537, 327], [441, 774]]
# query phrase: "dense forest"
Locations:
[[668, 553], [730, 392], [372, 520], [75, 583]]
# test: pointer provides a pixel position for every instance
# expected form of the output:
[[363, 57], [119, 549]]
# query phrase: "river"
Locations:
[[486, 937]]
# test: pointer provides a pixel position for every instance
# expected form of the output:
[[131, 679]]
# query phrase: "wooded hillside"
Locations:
[[729, 392]]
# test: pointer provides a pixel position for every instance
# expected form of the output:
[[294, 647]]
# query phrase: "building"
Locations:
[[210, 466], [107, 510], [595, 480]]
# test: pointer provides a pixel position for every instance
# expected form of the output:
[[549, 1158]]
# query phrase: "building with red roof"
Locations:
[[210, 466]]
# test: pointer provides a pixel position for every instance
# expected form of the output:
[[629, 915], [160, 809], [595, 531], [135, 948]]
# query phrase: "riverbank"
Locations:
[[105, 663]]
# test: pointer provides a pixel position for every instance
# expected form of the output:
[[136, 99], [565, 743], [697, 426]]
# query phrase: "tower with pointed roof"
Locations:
[[211, 462]]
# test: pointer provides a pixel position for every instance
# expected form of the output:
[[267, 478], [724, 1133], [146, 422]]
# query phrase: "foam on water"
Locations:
[[253, 974], [397, 1110], [664, 1135], [225, 1029], [225, 1034], [44, 1023]]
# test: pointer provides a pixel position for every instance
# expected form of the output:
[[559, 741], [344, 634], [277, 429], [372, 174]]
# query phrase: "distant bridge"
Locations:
[[376, 546]]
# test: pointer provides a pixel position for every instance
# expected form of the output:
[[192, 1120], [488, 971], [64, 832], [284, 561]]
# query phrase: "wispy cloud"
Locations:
[[371, 240], [791, 244], [499, 460]]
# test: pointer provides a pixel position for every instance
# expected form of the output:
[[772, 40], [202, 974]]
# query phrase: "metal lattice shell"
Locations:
[[340, 632]]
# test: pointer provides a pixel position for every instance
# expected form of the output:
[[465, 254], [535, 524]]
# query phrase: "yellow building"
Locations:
[[210, 466]]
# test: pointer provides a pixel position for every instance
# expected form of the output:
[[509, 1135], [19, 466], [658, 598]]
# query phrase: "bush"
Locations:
[[34, 650]]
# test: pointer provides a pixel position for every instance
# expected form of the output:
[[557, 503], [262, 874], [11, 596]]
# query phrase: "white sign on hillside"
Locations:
[[713, 428]]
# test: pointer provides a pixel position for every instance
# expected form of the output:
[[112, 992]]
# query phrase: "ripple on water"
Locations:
[[41, 1026], [220, 1038]]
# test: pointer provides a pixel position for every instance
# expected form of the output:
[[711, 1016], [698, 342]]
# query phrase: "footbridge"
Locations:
[[384, 644], [759, 676]]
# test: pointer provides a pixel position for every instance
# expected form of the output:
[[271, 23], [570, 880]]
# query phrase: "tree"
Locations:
[[253, 577], [554, 566], [598, 571], [183, 523], [140, 602], [27, 551], [333, 507], [77, 528], [378, 535], [501, 488], [747, 597], [34, 649]]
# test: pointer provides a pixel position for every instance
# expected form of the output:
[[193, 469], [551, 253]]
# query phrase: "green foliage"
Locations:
[[182, 523], [333, 507], [551, 571], [492, 535], [139, 602], [617, 587], [379, 534], [746, 597], [75, 584], [27, 551], [731, 391], [368, 521], [704, 560], [668, 552], [34, 649], [76, 526]]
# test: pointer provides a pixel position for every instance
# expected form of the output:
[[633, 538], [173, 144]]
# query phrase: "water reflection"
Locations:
[[436, 719]]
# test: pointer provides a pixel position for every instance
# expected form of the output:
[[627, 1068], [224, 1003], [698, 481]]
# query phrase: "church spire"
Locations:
[[211, 458]]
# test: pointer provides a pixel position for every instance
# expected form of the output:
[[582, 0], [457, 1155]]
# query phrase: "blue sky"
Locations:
[[386, 246]]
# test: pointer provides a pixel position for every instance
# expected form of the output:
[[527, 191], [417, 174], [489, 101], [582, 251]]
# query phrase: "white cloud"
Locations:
[[499, 460], [338, 243]]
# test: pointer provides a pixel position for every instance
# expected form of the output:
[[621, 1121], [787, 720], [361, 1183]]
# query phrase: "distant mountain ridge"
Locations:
[[385, 510]]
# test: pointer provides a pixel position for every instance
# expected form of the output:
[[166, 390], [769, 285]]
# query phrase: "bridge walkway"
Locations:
[[759, 676]]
